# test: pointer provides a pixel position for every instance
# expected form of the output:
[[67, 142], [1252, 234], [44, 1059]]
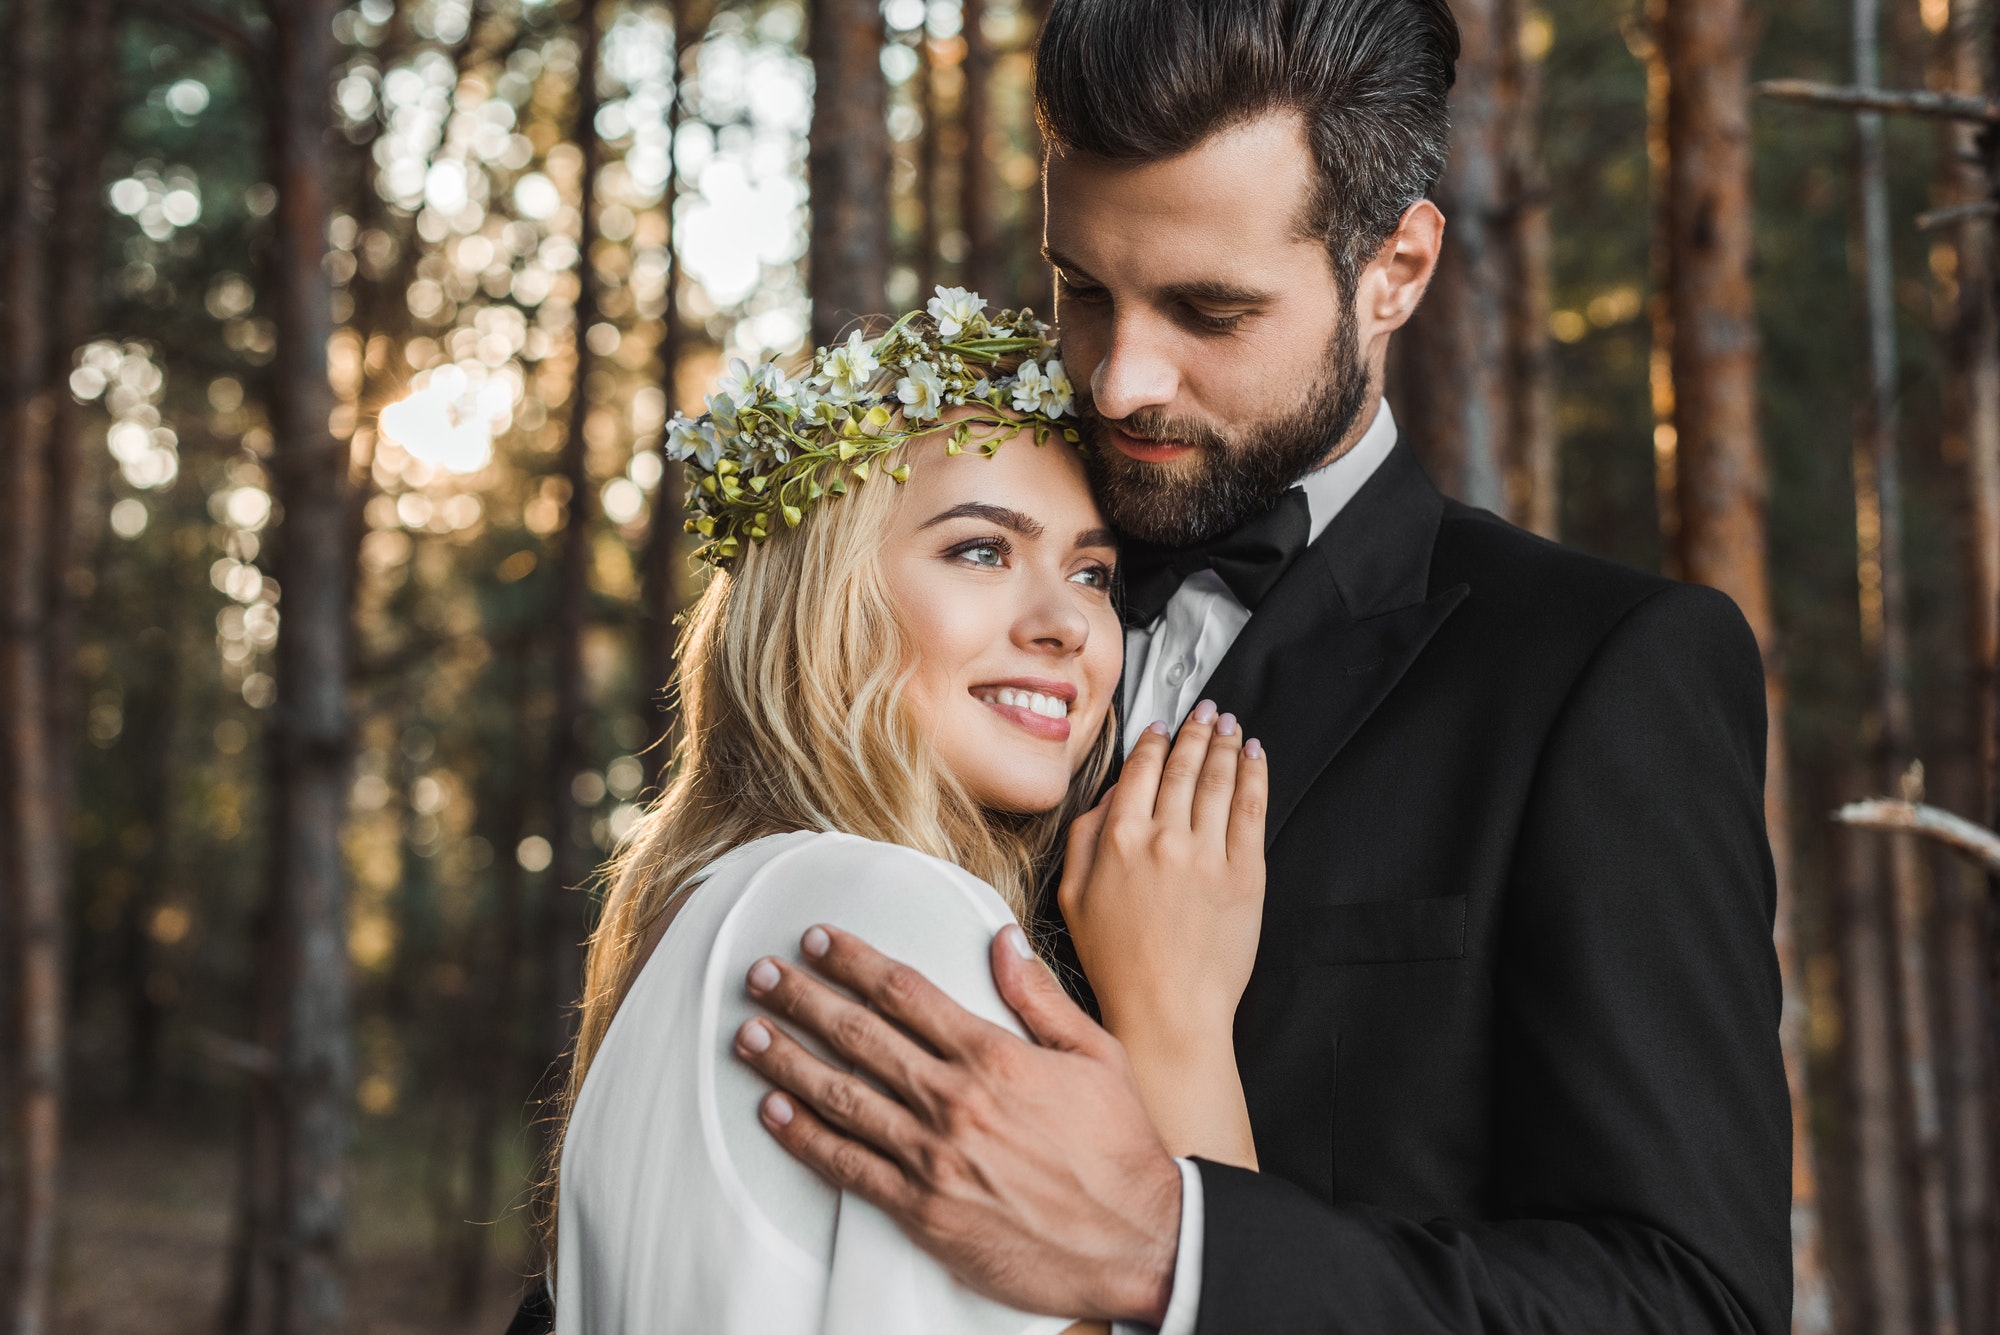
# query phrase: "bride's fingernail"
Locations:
[[1254, 749], [779, 1109], [1205, 712], [763, 976], [1158, 727], [815, 942], [754, 1036], [1018, 941], [1226, 726]]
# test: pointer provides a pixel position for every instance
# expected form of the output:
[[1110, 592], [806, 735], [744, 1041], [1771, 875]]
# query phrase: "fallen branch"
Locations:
[[1954, 832], [1946, 106], [1951, 213]]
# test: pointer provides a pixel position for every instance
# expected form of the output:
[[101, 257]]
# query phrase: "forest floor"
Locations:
[[146, 1235]]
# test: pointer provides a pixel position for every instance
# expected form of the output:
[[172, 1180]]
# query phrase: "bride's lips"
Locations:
[[1019, 710], [1146, 451]]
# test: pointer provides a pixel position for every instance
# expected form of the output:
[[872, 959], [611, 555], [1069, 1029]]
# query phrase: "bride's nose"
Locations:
[[1051, 621]]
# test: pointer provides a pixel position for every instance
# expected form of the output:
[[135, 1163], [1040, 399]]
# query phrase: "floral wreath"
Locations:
[[768, 447]]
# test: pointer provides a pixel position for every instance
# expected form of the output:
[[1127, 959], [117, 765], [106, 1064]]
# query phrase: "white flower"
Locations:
[[1059, 396], [921, 391], [690, 438], [740, 382], [682, 433], [982, 389], [849, 368], [722, 410], [954, 308], [1029, 387]]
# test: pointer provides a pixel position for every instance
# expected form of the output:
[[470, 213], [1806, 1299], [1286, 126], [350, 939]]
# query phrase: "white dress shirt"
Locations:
[[1167, 664]]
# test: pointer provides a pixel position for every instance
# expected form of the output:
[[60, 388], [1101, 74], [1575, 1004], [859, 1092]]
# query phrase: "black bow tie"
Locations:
[[1250, 560]]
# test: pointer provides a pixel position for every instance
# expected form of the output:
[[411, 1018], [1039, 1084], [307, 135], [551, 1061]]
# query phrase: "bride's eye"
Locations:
[[987, 554], [1093, 577]]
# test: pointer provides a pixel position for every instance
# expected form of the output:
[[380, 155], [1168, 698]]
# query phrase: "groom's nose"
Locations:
[[1136, 373]]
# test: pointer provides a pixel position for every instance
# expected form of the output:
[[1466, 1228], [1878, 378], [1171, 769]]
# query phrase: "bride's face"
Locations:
[[1001, 569]]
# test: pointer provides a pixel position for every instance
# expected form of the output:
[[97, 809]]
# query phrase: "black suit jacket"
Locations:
[[1511, 1044]]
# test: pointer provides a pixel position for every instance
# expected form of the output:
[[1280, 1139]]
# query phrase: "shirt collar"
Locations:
[[1328, 489]]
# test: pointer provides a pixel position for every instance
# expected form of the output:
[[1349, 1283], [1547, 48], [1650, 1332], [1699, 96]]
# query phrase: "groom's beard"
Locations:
[[1222, 482]]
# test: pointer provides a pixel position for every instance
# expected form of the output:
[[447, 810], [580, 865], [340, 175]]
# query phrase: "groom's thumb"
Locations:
[[1026, 984]]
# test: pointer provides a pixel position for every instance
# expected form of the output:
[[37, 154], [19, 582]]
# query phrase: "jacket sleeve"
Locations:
[[1642, 1135]]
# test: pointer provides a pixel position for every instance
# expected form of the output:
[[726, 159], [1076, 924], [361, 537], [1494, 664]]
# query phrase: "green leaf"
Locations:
[[861, 471], [901, 474]]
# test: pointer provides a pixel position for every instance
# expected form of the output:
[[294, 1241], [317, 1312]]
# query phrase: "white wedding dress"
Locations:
[[679, 1214]]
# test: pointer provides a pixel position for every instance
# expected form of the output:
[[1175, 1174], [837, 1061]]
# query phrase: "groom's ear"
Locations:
[[1395, 280]]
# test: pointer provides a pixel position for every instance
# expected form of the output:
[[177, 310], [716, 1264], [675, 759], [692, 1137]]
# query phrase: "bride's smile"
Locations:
[[1000, 567]]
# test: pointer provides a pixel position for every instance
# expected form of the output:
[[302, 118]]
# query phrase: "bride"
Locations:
[[896, 696]]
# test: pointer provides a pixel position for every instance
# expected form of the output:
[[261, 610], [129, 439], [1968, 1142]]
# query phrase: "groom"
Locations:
[[1510, 1049]]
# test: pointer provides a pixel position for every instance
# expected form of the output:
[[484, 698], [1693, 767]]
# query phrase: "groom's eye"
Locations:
[[1076, 291], [1217, 324]]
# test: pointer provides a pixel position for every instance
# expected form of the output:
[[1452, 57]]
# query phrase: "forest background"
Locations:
[[341, 558]]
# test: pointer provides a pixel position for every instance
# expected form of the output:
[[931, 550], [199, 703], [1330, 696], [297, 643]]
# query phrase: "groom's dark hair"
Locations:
[[1143, 80]]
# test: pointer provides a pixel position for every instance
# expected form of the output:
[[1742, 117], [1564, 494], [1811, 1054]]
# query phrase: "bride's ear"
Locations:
[[1392, 283]]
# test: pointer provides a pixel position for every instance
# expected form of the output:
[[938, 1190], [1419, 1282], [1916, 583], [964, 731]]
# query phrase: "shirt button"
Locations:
[[1176, 673]]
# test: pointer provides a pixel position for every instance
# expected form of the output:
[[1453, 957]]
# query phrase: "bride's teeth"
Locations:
[[1007, 696], [1039, 703]]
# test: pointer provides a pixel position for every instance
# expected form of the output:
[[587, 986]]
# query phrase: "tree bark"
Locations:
[[311, 727], [985, 266], [1886, 1301], [32, 839], [563, 917], [1720, 471], [930, 159], [1971, 342], [660, 600], [1534, 456], [1457, 411], [848, 163], [1885, 624]]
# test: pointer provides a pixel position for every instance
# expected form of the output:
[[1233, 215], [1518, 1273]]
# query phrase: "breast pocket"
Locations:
[[1383, 931]]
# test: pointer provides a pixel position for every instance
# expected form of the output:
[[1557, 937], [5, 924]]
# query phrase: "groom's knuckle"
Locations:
[[847, 1163], [841, 1099], [851, 1029], [901, 986]]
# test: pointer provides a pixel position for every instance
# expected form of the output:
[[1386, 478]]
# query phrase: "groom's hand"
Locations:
[[1032, 1172]]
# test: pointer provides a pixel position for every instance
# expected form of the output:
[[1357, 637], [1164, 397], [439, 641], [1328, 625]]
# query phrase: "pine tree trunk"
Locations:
[[564, 908], [1455, 410], [1972, 429], [985, 266], [1886, 1301], [310, 723], [848, 163], [1885, 614], [1721, 472], [1534, 457], [930, 158], [32, 838], [660, 597]]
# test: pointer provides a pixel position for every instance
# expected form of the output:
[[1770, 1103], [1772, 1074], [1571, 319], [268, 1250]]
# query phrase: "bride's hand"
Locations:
[[1163, 891]]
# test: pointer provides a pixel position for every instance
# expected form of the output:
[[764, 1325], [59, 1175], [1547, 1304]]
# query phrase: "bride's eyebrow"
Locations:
[[1097, 537], [1012, 520]]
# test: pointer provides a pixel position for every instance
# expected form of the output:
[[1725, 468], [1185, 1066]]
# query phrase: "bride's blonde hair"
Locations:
[[790, 694]]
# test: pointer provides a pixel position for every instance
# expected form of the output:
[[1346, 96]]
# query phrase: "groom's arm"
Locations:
[[1641, 1128]]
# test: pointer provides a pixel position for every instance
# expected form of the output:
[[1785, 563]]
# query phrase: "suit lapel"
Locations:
[[1338, 632]]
